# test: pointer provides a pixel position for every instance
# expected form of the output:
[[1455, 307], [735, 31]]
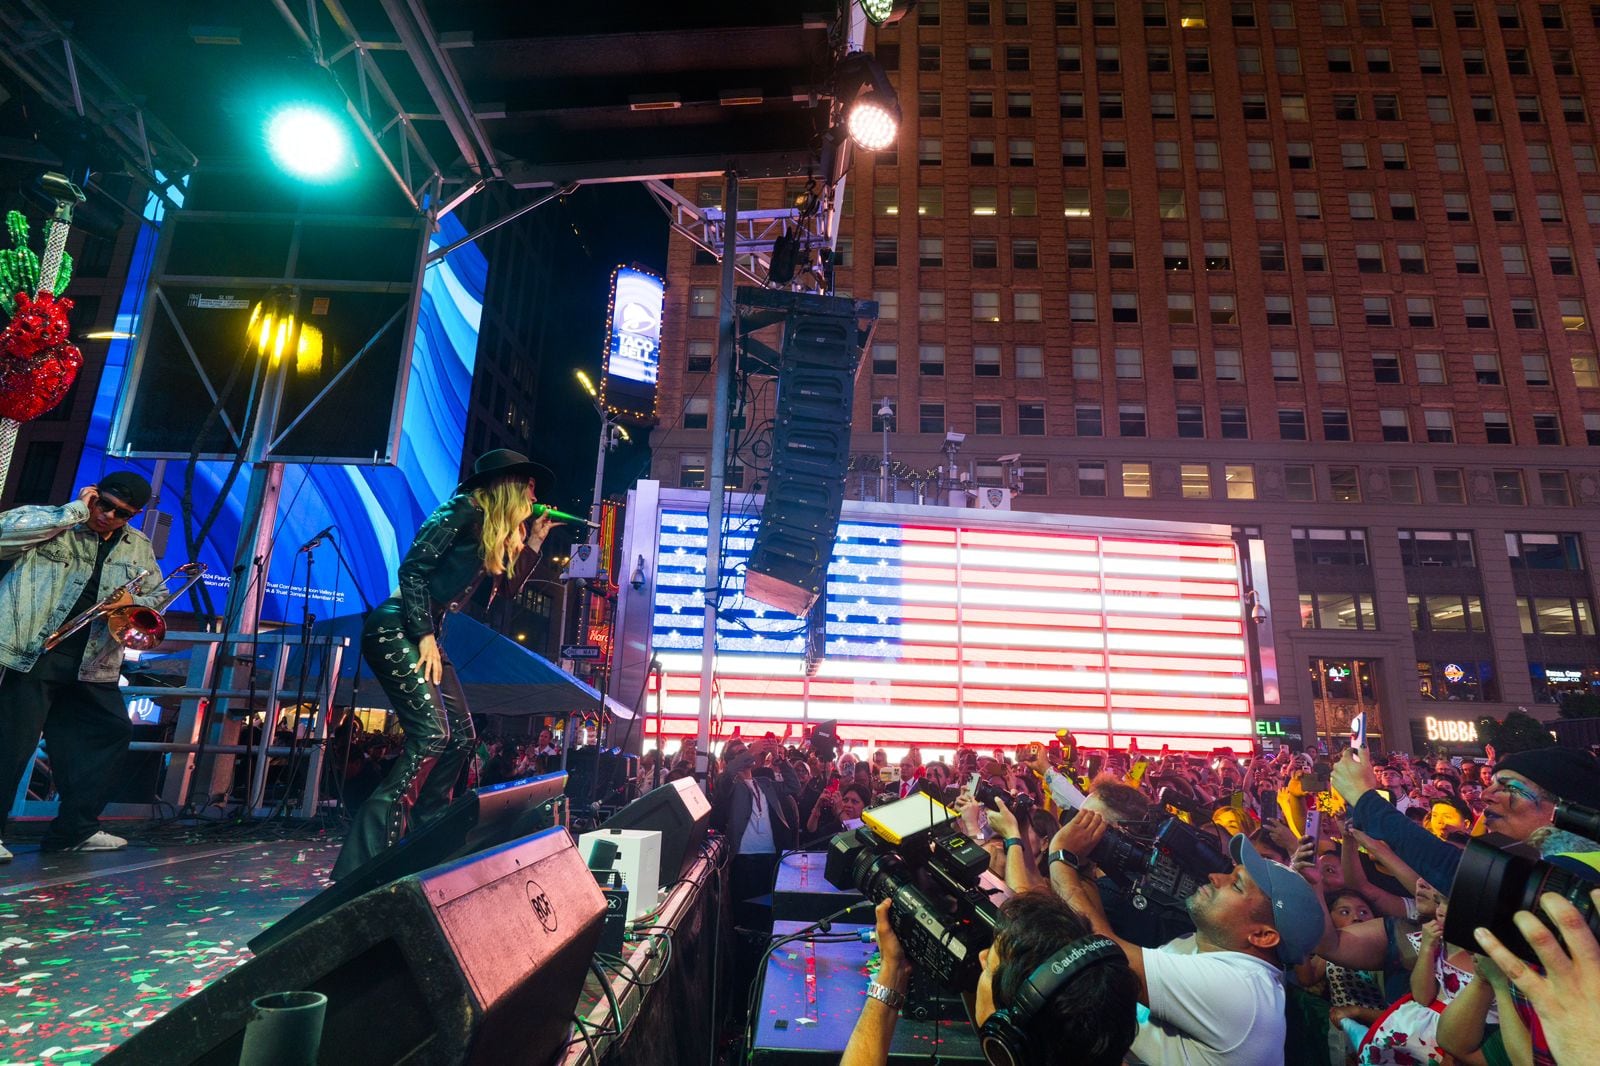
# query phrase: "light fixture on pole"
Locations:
[[871, 108], [885, 419], [306, 130], [886, 12]]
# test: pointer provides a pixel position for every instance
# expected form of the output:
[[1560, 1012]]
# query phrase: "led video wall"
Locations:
[[376, 509], [939, 634]]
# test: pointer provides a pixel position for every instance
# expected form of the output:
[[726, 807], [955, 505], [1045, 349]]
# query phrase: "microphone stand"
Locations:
[[355, 677]]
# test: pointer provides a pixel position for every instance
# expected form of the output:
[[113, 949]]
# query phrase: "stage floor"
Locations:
[[94, 947]]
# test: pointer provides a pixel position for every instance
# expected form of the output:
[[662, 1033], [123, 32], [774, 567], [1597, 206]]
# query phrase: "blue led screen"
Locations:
[[376, 509]]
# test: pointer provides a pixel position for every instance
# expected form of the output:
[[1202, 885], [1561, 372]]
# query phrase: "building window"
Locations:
[[1088, 422], [930, 306], [1508, 488], [699, 356], [1446, 613], [1195, 480], [1315, 546], [986, 420], [1130, 420], [1030, 361], [1191, 421], [1547, 428], [1129, 363], [985, 253], [986, 307], [1335, 423], [1497, 427], [1337, 610], [1554, 616], [985, 361], [1449, 487], [696, 412], [1451, 548], [1136, 481], [1298, 484], [1030, 419], [930, 360], [1086, 364], [1091, 479], [930, 254], [1235, 423], [692, 471], [1457, 680], [703, 301], [1403, 485], [1229, 364], [1291, 424], [1545, 551], [1396, 426], [1555, 488], [1344, 484], [885, 359], [1240, 480], [930, 418]]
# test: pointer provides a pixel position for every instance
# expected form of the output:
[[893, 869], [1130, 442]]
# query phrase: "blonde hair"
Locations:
[[505, 506]]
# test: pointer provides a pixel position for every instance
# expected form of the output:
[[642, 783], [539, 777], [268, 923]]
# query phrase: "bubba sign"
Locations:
[[1451, 730]]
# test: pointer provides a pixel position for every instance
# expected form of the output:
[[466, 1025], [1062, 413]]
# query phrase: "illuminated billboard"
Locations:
[[377, 509], [943, 630], [633, 344]]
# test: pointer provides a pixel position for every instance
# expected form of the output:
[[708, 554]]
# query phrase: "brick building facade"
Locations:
[[1325, 272]]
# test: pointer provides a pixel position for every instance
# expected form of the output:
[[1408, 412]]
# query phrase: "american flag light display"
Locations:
[[967, 634]]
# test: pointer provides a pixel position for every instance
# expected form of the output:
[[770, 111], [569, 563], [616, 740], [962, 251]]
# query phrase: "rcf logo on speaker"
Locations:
[[543, 909]]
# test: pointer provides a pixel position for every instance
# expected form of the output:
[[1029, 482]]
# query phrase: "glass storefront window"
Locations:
[[1551, 681], [1459, 679]]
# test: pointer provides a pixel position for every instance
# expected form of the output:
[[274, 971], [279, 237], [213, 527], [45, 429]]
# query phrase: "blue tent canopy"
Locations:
[[500, 676]]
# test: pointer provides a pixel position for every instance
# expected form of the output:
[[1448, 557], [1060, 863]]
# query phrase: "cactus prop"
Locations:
[[19, 265]]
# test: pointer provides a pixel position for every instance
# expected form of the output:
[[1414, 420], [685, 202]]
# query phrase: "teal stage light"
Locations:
[[309, 142]]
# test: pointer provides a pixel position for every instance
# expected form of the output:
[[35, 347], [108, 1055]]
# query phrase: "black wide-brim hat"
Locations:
[[502, 463]]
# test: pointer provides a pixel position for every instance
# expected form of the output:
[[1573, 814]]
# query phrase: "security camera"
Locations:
[[952, 437], [885, 409], [1012, 458]]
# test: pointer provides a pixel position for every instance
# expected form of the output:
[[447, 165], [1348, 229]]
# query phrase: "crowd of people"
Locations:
[[1319, 937]]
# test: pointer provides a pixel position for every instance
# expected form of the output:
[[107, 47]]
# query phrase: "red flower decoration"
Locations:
[[35, 325], [38, 362]]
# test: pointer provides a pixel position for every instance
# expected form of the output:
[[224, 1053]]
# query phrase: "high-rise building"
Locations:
[[1322, 272]]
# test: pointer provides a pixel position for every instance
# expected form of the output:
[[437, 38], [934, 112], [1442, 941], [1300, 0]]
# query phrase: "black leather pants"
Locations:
[[439, 742]]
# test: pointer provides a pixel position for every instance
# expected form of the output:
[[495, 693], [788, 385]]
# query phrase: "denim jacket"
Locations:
[[54, 554]]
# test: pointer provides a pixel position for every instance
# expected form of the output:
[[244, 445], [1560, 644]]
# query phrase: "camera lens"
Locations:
[[1492, 885]]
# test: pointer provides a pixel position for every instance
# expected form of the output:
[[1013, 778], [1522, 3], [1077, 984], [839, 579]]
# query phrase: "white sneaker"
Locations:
[[100, 842], [5, 856]]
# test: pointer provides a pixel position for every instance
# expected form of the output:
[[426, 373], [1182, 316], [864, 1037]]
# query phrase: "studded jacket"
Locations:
[[53, 552]]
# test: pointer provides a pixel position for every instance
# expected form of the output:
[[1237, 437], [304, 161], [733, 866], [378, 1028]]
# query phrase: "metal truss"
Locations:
[[41, 52], [385, 122], [755, 232]]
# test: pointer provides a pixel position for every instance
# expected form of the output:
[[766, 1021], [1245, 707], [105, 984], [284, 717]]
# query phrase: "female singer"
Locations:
[[482, 529]]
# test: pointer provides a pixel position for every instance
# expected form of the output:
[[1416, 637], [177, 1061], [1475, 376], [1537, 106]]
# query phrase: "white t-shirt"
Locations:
[[1217, 1007]]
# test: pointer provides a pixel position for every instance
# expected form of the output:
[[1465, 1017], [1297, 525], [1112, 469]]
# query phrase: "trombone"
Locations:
[[132, 625]]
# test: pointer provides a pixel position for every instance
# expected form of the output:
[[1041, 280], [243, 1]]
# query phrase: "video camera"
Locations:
[[913, 852], [1492, 884], [1162, 860]]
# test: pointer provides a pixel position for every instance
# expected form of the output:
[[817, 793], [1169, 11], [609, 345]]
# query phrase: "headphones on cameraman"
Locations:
[[1004, 1037]]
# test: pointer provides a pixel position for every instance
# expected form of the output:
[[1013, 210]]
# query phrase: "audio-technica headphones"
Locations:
[[1004, 1036]]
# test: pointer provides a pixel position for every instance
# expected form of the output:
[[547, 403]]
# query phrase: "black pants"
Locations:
[[86, 730], [439, 742]]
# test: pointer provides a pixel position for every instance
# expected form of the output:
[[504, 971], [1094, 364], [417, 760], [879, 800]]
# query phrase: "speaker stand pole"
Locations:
[[717, 467]]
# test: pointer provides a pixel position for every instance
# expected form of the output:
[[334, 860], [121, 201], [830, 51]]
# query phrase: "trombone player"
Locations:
[[65, 560]]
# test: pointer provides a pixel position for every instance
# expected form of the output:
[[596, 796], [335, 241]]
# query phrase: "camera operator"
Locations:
[[1046, 983], [1217, 997], [1521, 797]]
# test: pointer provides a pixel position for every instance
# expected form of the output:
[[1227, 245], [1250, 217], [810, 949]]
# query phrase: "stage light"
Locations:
[[309, 141], [871, 108], [886, 12]]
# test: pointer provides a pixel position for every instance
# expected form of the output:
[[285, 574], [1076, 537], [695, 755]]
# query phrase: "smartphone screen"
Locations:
[[1314, 823], [833, 786], [1358, 731]]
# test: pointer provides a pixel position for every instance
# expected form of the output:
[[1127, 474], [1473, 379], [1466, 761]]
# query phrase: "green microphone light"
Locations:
[[561, 516]]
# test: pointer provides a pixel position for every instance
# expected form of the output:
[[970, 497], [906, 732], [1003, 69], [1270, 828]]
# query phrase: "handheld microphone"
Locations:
[[561, 516], [318, 539]]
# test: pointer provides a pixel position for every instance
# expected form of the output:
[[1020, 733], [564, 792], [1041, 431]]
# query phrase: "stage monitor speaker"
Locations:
[[476, 962], [788, 563], [478, 820], [682, 814]]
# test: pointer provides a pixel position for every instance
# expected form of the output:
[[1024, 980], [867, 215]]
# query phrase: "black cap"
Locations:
[[126, 486]]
